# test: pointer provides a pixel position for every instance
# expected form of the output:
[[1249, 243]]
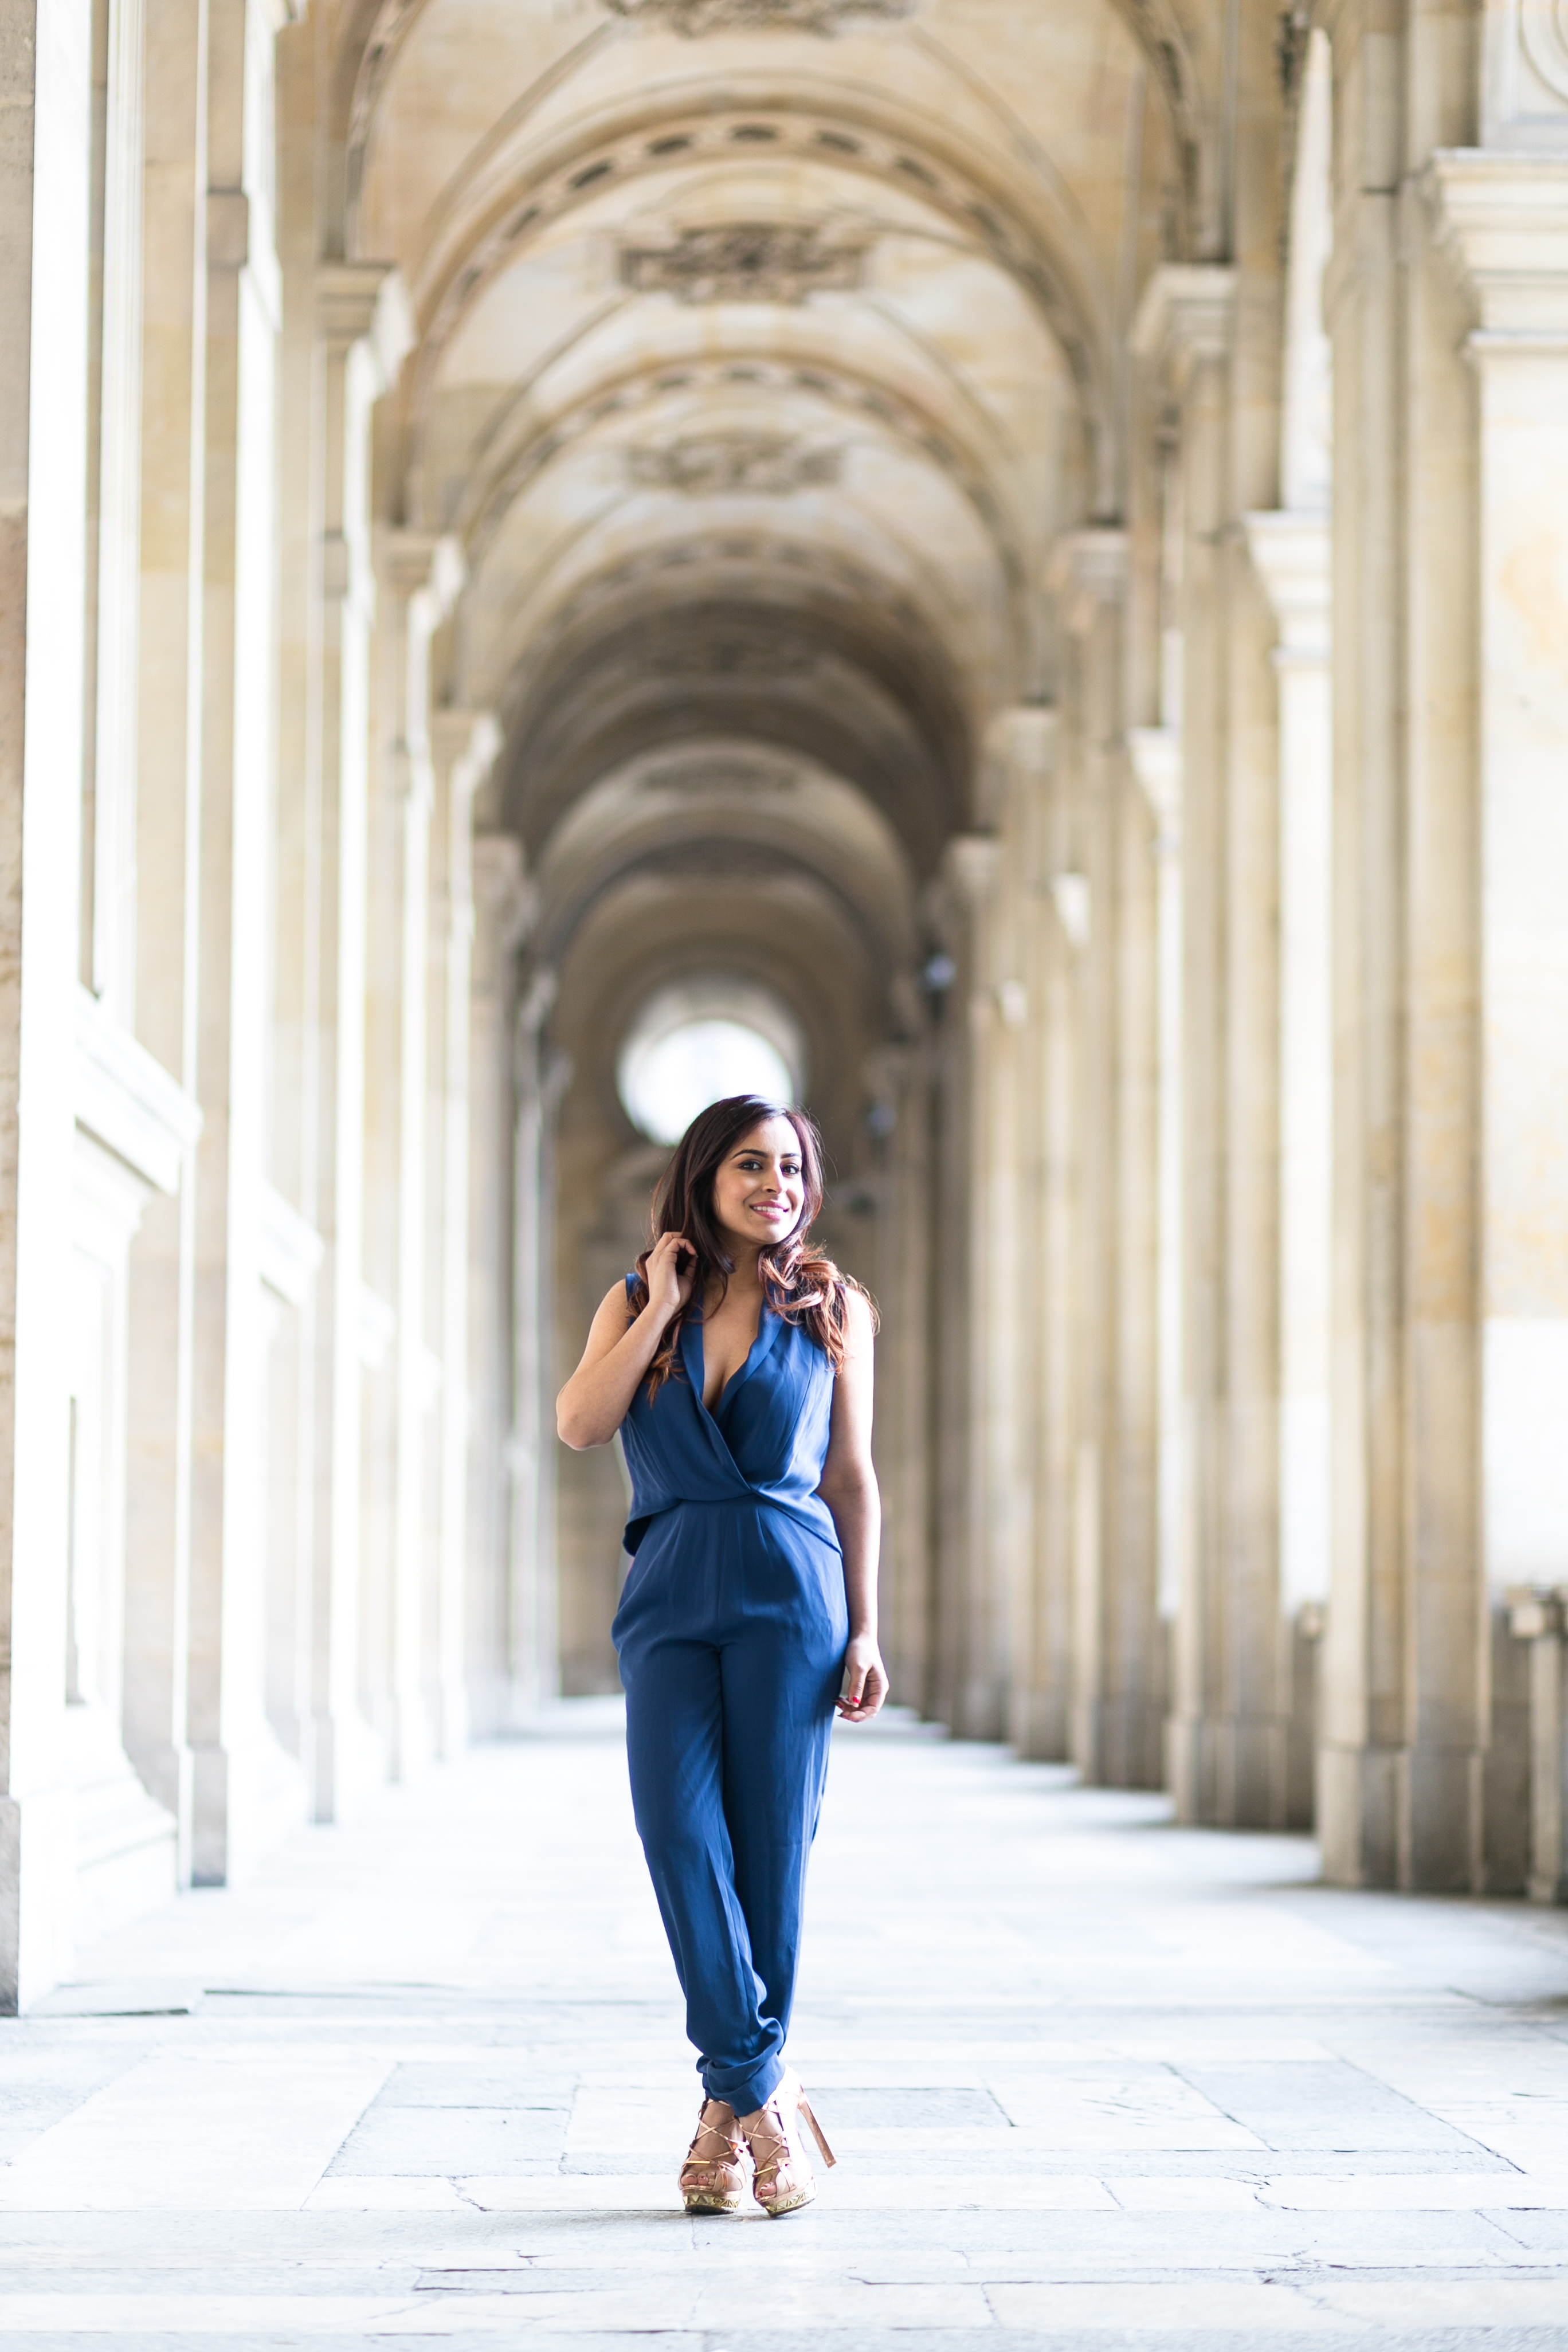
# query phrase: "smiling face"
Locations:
[[759, 1189]]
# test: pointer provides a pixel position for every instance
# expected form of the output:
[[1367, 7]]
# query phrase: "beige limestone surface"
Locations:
[[1092, 2080]]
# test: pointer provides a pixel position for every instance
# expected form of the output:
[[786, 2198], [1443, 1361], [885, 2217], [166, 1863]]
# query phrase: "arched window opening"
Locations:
[[699, 1039]]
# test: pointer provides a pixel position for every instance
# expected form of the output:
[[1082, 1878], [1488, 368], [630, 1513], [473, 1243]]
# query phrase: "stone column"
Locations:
[[1502, 218], [294, 1107], [540, 1078], [465, 745], [1058, 935], [1032, 1568], [45, 164], [243, 1787], [1134, 1691], [1408, 1785], [1156, 756], [1229, 1737], [1183, 337], [165, 931], [109, 855], [1536, 1617], [420, 579], [1290, 553], [898, 1083], [987, 1522], [502, 906], [950, 979], [1117, 1675], [365, 332]]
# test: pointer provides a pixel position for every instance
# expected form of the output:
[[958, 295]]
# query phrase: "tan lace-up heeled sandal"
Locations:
[[713, 2179], [782, 2178]]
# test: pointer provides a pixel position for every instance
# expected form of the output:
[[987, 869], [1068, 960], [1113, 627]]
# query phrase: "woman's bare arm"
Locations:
[[598, 1396], [848, 1488]]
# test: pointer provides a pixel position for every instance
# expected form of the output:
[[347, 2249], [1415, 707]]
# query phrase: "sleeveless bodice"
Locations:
[[765, 1440]]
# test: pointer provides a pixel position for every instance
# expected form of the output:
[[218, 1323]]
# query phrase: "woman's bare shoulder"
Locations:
[[859, 1314]]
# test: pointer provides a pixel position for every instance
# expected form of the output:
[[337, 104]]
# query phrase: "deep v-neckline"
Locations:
[[767, 1330]]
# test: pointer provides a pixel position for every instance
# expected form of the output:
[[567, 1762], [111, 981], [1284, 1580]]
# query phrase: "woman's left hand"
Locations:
[[865, 1685]]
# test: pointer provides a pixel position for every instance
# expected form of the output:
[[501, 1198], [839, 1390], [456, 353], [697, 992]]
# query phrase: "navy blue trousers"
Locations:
[[732, 1633]]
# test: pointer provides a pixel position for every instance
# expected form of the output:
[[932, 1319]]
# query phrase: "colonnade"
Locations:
[[1151, 804]]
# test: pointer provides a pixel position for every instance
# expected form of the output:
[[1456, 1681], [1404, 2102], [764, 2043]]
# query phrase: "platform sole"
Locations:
[[712, 2201], [776, 2207]]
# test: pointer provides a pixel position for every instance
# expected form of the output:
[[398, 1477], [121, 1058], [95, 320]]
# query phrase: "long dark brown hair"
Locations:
[[799, 1283]]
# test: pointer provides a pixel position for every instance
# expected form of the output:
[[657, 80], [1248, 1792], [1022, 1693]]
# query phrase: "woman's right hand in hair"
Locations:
[[671, 1266], [598, 1396]]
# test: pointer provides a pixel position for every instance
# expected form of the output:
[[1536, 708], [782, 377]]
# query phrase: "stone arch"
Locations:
[[1034, 242]]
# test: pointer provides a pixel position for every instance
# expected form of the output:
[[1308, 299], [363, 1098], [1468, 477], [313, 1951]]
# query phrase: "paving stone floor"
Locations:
[[1093, 2081]]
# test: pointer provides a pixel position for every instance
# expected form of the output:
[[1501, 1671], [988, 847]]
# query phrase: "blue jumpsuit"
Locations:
[[732, 1632]]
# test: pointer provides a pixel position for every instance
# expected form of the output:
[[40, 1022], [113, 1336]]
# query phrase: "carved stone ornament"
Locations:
[[746, 261], [1543, 28], [692, 18], [746, 464], [1525, 78], [750, 656], [721, 772]]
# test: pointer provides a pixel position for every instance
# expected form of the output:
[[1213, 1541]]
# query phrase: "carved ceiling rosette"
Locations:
[[747, 261], [753, 657], [707, 465], [720, 773], [692, 18]]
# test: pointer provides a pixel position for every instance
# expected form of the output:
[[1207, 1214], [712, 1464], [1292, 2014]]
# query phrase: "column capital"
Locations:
[[1025, 732], [1186, 315], [467, 743], [411, 561], [1156, 756], [503, 896], [1087, 570], [1503, 220], [973, 861], [367, 301], [1290, 554]]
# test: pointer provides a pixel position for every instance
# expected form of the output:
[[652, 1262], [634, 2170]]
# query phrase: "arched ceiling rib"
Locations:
[[814, 540], [1036, 242], [832, 681], [694, 806], [1172, 36], [539, 439], [782, 929]]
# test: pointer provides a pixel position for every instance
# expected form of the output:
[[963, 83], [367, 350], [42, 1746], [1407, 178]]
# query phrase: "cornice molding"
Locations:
[[128, 1101], [1087, 570], [1291, 553], [367, 301], [1502, 218], [1158, 762], [1187, 315]]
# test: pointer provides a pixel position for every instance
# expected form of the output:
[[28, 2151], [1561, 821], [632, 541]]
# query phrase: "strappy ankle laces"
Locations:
[[713, 2179], [781, 2178]]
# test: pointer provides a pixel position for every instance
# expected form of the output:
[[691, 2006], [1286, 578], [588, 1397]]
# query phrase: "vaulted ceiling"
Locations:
[[764, 348]]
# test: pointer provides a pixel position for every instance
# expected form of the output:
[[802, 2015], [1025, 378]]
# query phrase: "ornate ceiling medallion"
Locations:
[[721, 774], [745, 464], [758, 656], [747, 261], [692, 18]]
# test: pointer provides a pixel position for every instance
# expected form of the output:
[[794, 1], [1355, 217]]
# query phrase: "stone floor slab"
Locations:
[[1096, 2084]]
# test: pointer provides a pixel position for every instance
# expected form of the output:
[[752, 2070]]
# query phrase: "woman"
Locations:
[[736, 1363]]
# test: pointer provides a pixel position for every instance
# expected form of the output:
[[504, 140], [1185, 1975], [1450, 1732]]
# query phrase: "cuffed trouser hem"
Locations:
[[751, 2091]]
